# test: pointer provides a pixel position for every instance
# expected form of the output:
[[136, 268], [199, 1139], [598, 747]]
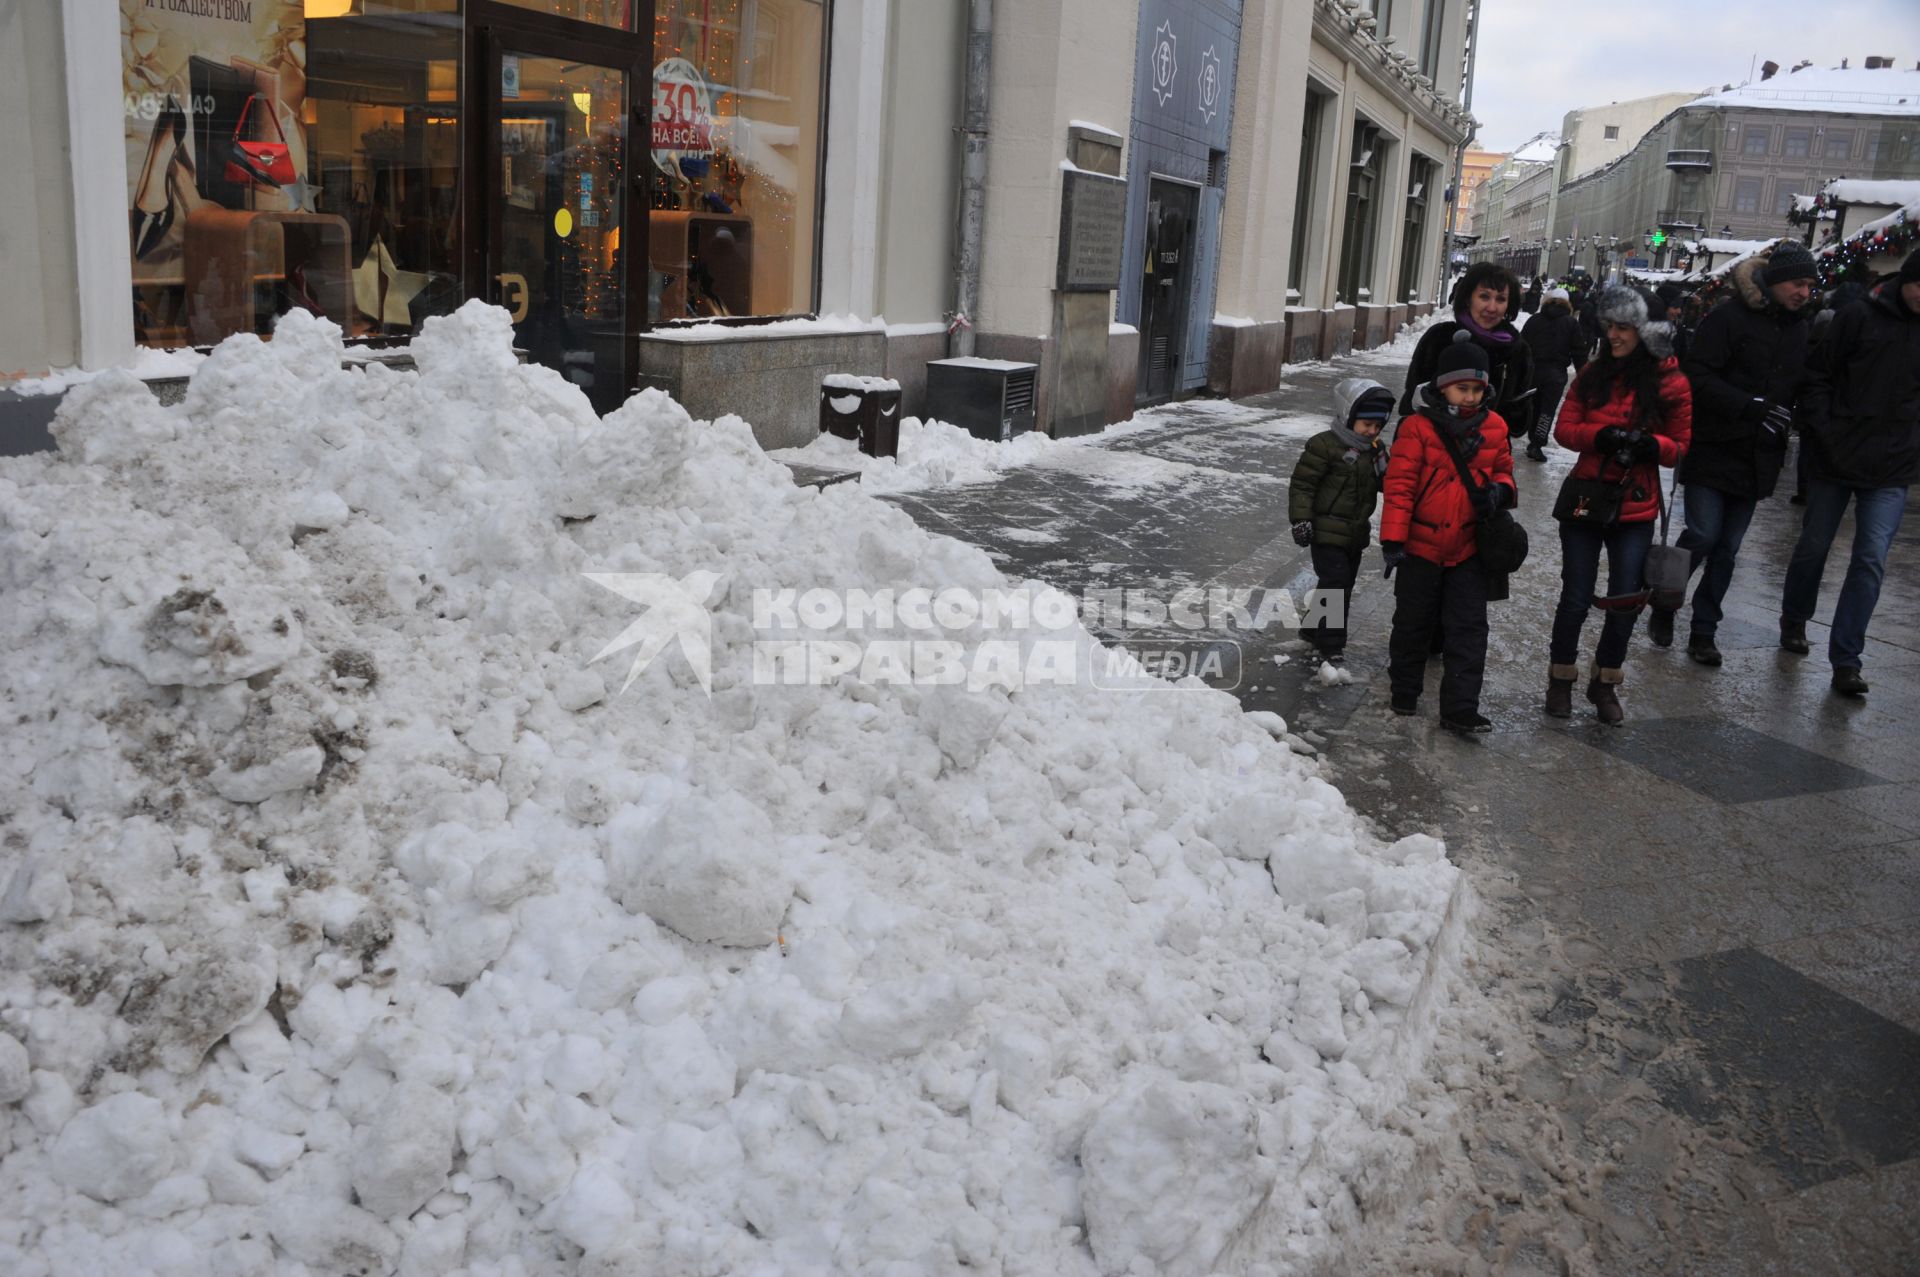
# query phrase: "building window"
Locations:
[[1312, 119], [1784, 203], [734, 183], [1797, 143], [1755, 141], [1366, 163], [1746, 195], [1613, 132], [1839, 145], [1421, 175], [1433, 24], [292, 163]]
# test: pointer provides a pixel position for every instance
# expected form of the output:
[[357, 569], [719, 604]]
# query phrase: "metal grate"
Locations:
[[1158, 357], [1217, 168], [1019, 393]]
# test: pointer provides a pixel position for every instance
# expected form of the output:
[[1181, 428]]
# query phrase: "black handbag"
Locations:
[[1499, 538], [1591, 501]]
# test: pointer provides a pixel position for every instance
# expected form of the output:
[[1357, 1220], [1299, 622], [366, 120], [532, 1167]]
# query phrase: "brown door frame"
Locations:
[[492, 28]]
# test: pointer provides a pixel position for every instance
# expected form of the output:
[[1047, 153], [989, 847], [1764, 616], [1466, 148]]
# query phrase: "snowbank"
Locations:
[[350, 921]]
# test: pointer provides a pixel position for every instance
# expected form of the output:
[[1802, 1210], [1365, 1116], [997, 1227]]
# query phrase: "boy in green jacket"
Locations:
[[1335, 486]]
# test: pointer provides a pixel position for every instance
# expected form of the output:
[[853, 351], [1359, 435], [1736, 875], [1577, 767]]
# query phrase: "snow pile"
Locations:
[[932, 454], [148, 363], [351, 922]]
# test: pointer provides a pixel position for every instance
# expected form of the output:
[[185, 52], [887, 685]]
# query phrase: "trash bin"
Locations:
[[862, 408]]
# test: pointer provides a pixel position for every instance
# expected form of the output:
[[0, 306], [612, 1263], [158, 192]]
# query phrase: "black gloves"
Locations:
[[1393, 554], [1303, 532], [1779, 417], [1488, 499], [1612, 439], [1645, 448]]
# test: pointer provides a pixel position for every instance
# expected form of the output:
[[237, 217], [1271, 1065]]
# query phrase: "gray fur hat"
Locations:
[[1617, 305]]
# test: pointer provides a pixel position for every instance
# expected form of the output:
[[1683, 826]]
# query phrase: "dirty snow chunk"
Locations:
[[210, 994], [402, 1156], [322, 511], [906, 1017], [203, 637], [332, 1237], [1331, 675], [37, 892], [117, 1149], [295, 769], [16, 1075], [708, 869], [577, 689], [595, 1210], [1171, 1173], [269, 1152]]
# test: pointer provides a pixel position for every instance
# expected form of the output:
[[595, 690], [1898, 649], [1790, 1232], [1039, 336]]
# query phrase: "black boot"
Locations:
[[1660, 627], [1702, 649], [1605, 700], [1848, 681], [1793, 636]]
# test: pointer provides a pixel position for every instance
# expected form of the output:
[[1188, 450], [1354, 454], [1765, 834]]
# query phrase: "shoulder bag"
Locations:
[[1499, 538], [1668, 566]]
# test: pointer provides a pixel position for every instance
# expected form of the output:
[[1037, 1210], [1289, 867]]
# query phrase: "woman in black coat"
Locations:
[[1554, 339], [1483, 302]]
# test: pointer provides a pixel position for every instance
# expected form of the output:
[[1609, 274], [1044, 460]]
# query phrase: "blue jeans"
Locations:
[[1876, 517], [1580, 545], [1716, 525]]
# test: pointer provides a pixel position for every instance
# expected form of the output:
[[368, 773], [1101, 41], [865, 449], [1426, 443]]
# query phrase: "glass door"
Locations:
[[556, 155]]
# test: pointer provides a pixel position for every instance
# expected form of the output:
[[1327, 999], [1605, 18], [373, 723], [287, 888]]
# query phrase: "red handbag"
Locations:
[[267, 163]]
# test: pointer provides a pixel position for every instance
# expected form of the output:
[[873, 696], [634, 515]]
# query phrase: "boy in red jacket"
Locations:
[[1427, 532]]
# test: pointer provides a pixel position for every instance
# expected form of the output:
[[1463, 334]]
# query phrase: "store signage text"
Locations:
[[682, 112], [227, 10]]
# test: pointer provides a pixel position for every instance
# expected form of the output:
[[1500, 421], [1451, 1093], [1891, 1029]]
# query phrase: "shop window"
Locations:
[[608, 13], [308, 159], [734, 183]]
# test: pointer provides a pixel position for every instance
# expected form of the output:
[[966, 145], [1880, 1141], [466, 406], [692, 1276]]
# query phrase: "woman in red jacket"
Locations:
[[1628, 413], [1427, 530]]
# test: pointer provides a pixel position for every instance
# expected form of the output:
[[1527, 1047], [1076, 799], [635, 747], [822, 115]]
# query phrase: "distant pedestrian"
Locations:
[[1330, 502], [1484, 301], [1746, 369], [1428, 533], [1592, 330], [1628, 413], [1553, 335], [1861, 412], [1673, 307], [1530, 300]]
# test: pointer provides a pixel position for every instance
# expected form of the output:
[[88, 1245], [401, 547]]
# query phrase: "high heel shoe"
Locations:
[[151, 216]]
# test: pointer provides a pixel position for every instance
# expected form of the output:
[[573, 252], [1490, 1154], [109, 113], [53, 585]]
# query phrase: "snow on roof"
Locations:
[[1719, 246], [1853, 91], [1856, 191], [1907, 213], [1539, 151]]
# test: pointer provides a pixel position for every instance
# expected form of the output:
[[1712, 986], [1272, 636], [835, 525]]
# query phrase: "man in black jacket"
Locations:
[[1861, 413], [1554, 337], [1746, 364]]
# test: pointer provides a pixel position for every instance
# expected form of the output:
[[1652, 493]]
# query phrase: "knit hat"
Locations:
[[1788, 260], [1669, 295], [1910, 269], [1617, 305], [1556, 295], [1462, 361], [1375, 405]]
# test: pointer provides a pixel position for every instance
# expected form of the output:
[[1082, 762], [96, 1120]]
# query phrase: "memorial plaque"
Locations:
[[1093, 225]]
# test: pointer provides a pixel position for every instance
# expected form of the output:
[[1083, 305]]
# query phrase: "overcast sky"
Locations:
[[1540, 59]]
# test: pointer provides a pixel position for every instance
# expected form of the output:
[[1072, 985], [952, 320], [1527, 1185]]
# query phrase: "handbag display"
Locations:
[[1499, 539], [263, 163], [1668, 566]]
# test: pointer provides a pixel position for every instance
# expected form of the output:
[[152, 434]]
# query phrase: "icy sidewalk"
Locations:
[[353, 919]]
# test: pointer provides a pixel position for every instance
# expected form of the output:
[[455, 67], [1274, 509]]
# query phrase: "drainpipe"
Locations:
[[1460, 155], [973, 180]]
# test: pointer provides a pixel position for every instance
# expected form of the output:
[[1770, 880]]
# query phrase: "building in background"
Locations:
[[1731, 164], [1475, 168], [1598, 135], [730, 199]]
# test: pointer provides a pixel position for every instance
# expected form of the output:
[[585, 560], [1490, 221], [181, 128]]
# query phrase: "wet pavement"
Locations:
[[1702, 924]]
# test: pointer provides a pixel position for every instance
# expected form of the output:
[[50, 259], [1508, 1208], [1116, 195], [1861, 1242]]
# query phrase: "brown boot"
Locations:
[[1560, 690], [1605, 701]]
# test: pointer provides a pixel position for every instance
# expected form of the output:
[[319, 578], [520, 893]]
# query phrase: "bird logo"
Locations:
[[676, 611]]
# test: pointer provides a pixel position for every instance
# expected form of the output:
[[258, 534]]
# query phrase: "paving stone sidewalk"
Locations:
[[1710, 912]]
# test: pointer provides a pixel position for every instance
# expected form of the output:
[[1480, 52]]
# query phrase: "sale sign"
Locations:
[[682, 113]]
